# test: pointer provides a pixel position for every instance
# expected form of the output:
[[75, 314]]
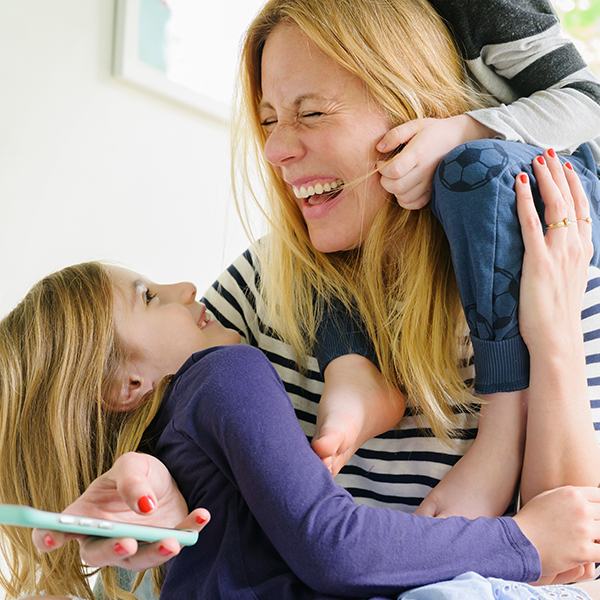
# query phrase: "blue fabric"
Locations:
[[472, 586], [281, 528], [473, 196]]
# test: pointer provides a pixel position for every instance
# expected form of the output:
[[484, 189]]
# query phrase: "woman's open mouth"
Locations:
[[319, 193]]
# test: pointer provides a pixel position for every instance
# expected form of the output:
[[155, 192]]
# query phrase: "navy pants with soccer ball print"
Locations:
[[474, 198]]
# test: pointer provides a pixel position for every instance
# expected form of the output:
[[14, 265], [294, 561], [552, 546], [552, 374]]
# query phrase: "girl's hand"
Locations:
[[555, 264], [564, 525], [409, 174], [137, 489]]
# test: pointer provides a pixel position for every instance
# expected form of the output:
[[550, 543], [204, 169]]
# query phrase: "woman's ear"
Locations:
[[133, 388]]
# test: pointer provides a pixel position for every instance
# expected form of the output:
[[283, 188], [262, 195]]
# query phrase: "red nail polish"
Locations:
[[524, 178], [146, 504], [163, 551], [569, 166], [119, 549], [541, 160], [551, 153], [201, 520], [49, 541]]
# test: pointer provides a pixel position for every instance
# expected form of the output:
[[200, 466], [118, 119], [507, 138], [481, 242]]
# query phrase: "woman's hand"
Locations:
[[137, 489], [409, 174], [555, 264], [561, 446]]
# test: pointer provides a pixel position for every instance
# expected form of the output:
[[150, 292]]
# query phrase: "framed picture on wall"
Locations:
[[183, 50]]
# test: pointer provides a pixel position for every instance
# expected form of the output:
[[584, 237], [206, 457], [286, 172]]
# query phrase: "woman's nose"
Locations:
[[284, 145]]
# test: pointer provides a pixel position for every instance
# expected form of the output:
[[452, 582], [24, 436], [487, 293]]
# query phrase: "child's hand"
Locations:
[[564, 526], [137, 489], [409, 174], [356, 405]]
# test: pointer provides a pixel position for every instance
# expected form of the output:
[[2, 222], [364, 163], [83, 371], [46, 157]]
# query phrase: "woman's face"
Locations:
[[322, 130]]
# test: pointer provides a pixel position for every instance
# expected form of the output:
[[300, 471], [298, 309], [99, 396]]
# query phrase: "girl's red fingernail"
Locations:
[[541, 160], [119, 549], [49, 541], [524, 178], [163, 551], [146, 504], [201, 520], [569, 165], [551, 153]]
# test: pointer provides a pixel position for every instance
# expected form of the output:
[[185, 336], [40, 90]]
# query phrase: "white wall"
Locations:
[[91, 168]]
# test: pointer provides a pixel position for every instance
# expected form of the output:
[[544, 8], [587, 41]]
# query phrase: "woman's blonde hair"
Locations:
[[60, 360], [401, 278]]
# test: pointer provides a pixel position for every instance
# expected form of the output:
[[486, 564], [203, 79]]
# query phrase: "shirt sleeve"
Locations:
[[545, 93], [247, 426]]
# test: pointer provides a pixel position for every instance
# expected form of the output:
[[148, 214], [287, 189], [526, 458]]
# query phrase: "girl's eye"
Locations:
[[149, 296]]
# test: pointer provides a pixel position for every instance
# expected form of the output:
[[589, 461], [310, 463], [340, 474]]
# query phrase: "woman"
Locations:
[[360, 248]]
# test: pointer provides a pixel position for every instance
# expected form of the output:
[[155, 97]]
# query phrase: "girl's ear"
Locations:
[[134, 387]]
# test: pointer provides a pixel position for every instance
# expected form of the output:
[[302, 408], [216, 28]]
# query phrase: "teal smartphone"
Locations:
[[25, 516]]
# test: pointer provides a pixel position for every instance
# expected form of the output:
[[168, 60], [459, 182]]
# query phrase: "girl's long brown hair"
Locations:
[[60, 359]]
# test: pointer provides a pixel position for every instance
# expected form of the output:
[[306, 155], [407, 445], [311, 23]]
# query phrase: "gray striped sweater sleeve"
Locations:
[[542, 90]]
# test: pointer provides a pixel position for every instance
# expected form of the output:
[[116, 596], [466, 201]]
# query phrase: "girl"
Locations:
[[227, 431]]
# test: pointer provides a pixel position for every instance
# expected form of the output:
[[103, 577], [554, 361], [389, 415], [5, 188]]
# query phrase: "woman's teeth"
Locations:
[[318, 189]]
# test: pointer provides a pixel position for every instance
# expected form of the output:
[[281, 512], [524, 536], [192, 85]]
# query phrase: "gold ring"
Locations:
[[588, 220], [564, 223]]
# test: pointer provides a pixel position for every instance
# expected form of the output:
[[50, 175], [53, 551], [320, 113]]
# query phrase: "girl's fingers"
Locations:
[[397, 136]]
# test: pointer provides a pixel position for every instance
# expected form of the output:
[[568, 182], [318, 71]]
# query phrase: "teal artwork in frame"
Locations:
[[152, 42], [183, 50]]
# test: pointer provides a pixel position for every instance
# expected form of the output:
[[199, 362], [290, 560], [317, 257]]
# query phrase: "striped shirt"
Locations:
[[396, 469]]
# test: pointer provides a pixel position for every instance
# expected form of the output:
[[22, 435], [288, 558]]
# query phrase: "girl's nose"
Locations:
[[184, 292]]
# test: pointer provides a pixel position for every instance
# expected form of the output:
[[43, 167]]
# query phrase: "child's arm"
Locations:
[[356, 406], [543, 92]]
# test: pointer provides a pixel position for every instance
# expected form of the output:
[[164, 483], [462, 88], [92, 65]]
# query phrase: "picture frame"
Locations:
[[148, 55]]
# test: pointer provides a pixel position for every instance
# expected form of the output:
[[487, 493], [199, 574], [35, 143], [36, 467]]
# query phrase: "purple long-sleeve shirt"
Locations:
[[281, 528]]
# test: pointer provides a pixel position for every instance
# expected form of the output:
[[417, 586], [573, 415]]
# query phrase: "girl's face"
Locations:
[[163, 324], [322, 130]]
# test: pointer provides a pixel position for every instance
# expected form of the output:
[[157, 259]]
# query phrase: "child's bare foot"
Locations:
[[356, 405]]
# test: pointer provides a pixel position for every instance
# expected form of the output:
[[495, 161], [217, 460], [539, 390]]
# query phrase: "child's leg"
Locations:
[[474, 198]]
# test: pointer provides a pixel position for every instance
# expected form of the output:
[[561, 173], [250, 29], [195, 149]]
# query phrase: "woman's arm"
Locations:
[[561, 446]]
